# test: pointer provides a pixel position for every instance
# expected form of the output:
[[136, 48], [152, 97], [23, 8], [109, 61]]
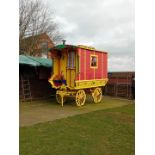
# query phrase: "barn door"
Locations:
[[71, 69]]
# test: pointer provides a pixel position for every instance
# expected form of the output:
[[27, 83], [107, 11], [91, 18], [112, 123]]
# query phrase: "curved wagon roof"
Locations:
[[62, 46]]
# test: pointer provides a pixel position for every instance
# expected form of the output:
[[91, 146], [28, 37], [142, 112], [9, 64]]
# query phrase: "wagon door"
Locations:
[[71, 69]]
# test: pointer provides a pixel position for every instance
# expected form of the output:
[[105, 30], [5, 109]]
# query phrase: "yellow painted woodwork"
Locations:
[[80, 98], [71, 73], [86, 47], [63, 64], [90, 83], [97, 95]]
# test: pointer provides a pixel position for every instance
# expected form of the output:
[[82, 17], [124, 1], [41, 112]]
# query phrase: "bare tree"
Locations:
[[36, 18]]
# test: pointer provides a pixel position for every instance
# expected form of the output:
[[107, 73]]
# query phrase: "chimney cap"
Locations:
[[63, 42]]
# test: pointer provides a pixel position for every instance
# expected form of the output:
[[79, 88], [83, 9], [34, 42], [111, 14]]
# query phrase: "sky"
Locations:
[[107, 25]]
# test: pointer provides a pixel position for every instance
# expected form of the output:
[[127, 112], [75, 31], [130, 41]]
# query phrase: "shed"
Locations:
[[33, 77]]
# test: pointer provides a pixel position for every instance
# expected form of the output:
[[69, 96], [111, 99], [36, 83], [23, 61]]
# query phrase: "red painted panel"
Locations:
[[103, 62], [98, 71], [105, 66], [82, 64], [79, 54], [87, 73]]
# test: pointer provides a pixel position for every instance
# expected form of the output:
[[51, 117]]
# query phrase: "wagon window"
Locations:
[[93, 61], [71, 58]]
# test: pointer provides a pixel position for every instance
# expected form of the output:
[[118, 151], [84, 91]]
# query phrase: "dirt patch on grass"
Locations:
[[49, 110]]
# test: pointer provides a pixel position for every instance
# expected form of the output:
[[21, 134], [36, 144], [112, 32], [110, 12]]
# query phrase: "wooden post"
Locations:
[[127, 87], [116, 90]]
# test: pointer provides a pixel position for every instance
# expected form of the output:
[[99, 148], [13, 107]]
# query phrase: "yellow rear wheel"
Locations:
[[97, 95], [80, 98]]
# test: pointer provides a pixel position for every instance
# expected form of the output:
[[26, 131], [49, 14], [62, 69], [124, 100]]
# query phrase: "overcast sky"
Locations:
[[104, 24]]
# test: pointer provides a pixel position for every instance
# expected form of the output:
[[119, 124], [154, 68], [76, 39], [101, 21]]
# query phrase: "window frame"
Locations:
[[71, 60], [93, 55]]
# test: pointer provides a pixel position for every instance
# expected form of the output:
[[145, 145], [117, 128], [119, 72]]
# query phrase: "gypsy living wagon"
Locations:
[[78, 70]]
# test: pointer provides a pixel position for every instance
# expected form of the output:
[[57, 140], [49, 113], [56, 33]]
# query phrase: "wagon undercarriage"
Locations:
[[79, 95]]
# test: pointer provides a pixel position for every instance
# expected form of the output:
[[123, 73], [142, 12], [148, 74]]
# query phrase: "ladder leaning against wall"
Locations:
[[26, 90]]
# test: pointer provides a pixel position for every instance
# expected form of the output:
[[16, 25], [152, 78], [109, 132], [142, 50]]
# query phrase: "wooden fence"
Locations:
[[121, 84]]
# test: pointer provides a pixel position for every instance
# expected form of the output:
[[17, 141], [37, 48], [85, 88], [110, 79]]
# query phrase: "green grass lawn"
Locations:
[[103, 132]]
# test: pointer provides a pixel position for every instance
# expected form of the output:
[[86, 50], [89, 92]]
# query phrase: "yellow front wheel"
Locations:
[[80, 98], [97, 95], [59, 99]]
